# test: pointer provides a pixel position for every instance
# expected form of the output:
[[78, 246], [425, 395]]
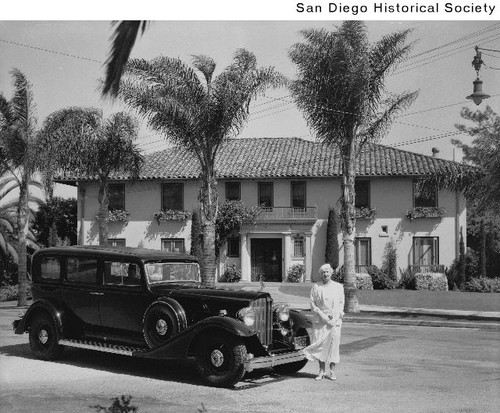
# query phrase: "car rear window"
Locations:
[[82, 270]]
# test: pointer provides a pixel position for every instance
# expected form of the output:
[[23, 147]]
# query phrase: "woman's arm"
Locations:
[[314, 301]]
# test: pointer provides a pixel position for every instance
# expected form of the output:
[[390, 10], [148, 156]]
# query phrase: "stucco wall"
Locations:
[[390, 196]]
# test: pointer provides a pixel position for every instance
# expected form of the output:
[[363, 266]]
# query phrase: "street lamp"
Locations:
[[477, 95]]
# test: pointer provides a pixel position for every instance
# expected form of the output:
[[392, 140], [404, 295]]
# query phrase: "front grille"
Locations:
[[263, 308]]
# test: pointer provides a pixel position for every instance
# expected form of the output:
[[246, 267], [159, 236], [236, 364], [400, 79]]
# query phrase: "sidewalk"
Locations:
[[381, 314]]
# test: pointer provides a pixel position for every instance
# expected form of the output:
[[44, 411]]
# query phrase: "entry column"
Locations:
[[245, 257], [308, 256]]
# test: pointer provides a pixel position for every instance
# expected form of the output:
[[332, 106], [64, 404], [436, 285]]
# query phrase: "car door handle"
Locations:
[[96, 293]]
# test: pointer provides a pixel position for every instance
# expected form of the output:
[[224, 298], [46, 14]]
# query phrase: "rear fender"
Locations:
[[36, 308]]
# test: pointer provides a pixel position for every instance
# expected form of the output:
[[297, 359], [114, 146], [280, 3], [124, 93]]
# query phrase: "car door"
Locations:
[[124, 298], [80, 293]]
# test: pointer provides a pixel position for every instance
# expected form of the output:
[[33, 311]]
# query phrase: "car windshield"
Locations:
[[158, 272]]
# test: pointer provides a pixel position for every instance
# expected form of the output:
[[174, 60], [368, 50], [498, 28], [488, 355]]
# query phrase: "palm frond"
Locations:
[[124, 38]]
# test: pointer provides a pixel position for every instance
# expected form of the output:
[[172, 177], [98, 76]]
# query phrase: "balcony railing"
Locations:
[[427, 268], [283, 214]]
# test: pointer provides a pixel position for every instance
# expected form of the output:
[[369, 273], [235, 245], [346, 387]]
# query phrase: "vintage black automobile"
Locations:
[[148, 303]]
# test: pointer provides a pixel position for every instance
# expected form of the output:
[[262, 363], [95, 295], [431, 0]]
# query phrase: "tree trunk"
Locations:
[[208, 199], [482, 258], [22, 228], [103, 213], [349, 229]]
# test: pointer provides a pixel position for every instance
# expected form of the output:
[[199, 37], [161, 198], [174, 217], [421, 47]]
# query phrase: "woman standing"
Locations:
[[327, 305]]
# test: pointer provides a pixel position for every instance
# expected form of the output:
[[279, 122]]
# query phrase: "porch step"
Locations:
[[103, 347]]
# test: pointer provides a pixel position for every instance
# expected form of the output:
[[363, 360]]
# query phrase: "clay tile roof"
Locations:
[[287, 158]]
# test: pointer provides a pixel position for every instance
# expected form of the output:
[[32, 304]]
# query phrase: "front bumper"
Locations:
[[254, 363]]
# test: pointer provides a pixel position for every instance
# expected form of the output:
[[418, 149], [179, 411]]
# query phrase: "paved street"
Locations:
[[384, 368]]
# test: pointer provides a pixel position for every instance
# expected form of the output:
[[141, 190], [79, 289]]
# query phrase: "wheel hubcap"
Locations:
[[161, 327], [217, 358], [43, 336]]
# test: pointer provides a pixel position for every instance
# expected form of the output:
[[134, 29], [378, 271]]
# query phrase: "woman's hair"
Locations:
[[326, 267]]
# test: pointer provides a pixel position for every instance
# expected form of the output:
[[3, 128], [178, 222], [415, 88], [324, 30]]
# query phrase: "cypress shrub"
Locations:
[[332, 241]]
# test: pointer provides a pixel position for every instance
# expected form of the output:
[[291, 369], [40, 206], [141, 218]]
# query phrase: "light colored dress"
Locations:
[[327, 305]]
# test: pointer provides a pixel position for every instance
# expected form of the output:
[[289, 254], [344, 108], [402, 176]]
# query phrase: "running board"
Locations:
[[103, 347]]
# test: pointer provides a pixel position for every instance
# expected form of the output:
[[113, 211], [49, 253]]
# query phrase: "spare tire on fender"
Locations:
[[162, 320]]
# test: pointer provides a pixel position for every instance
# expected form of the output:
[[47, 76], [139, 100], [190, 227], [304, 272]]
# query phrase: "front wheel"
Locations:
[[220, 360], [43, 338]]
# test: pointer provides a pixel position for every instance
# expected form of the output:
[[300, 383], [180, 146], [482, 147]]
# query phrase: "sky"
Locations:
[[64, 60]]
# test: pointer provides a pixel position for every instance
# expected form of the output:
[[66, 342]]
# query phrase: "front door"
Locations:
[[266, 259]]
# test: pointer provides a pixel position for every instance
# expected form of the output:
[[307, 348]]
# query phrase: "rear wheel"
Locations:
[[43, 337], [220, 360]]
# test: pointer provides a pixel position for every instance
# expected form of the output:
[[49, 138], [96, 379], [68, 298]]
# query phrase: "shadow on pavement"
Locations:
[[366, 343], [181, 371]]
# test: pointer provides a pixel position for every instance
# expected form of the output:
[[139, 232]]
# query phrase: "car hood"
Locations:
[[207, 292]]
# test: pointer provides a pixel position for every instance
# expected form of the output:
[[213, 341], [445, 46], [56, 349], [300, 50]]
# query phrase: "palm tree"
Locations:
[[20, 155], [82, 143], [340, 89], [7, 217], [199, 112]]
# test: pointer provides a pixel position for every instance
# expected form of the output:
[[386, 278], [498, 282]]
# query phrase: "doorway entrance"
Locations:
[[266, 259]]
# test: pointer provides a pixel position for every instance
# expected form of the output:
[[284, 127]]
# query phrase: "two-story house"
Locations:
[[297, 182]]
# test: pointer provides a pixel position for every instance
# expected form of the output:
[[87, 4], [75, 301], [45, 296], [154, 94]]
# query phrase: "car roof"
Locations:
[[116, 252]]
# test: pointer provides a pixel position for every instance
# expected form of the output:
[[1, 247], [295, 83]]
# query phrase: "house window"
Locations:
[[172, 244], [172, 196], [233, 191], [363, 253], [362, 190], [116, 242], [426, 251], [233, 247], [298, 247], [266, 194], [298, 194], [116, 196], [424, 194]]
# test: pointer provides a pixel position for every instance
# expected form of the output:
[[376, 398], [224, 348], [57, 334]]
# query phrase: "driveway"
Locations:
[[383, 369]]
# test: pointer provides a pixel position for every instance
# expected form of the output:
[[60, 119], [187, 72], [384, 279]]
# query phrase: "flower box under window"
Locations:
[[171, 215], [425, 212]]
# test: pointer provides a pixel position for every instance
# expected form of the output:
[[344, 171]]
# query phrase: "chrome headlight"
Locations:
[[283, 312], [247, 315]]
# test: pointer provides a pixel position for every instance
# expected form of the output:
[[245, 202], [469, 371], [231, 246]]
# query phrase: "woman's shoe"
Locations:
[[332, 376], [320, 375]]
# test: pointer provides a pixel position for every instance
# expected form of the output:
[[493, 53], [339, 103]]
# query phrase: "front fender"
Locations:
[[180, 345], [22, 326]]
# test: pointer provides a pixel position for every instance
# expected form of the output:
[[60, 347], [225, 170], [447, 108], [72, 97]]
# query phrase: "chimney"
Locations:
[[435, 151]]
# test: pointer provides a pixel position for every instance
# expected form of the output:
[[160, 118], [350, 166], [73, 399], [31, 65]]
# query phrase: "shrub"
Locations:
[[364, 281], [431, 281], [332, 241], [10, 292], [471, 270], [338, 275], [231, 274], [380, 280], [296, 273], [407, 280], [120, 405], [389, 265], [483, 285]]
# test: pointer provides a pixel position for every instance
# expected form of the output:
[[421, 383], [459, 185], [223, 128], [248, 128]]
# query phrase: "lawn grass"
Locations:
[[445, 300]]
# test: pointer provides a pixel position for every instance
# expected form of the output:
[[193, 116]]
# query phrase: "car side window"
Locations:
[[81, 270], [121, 273], [50, 268]]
